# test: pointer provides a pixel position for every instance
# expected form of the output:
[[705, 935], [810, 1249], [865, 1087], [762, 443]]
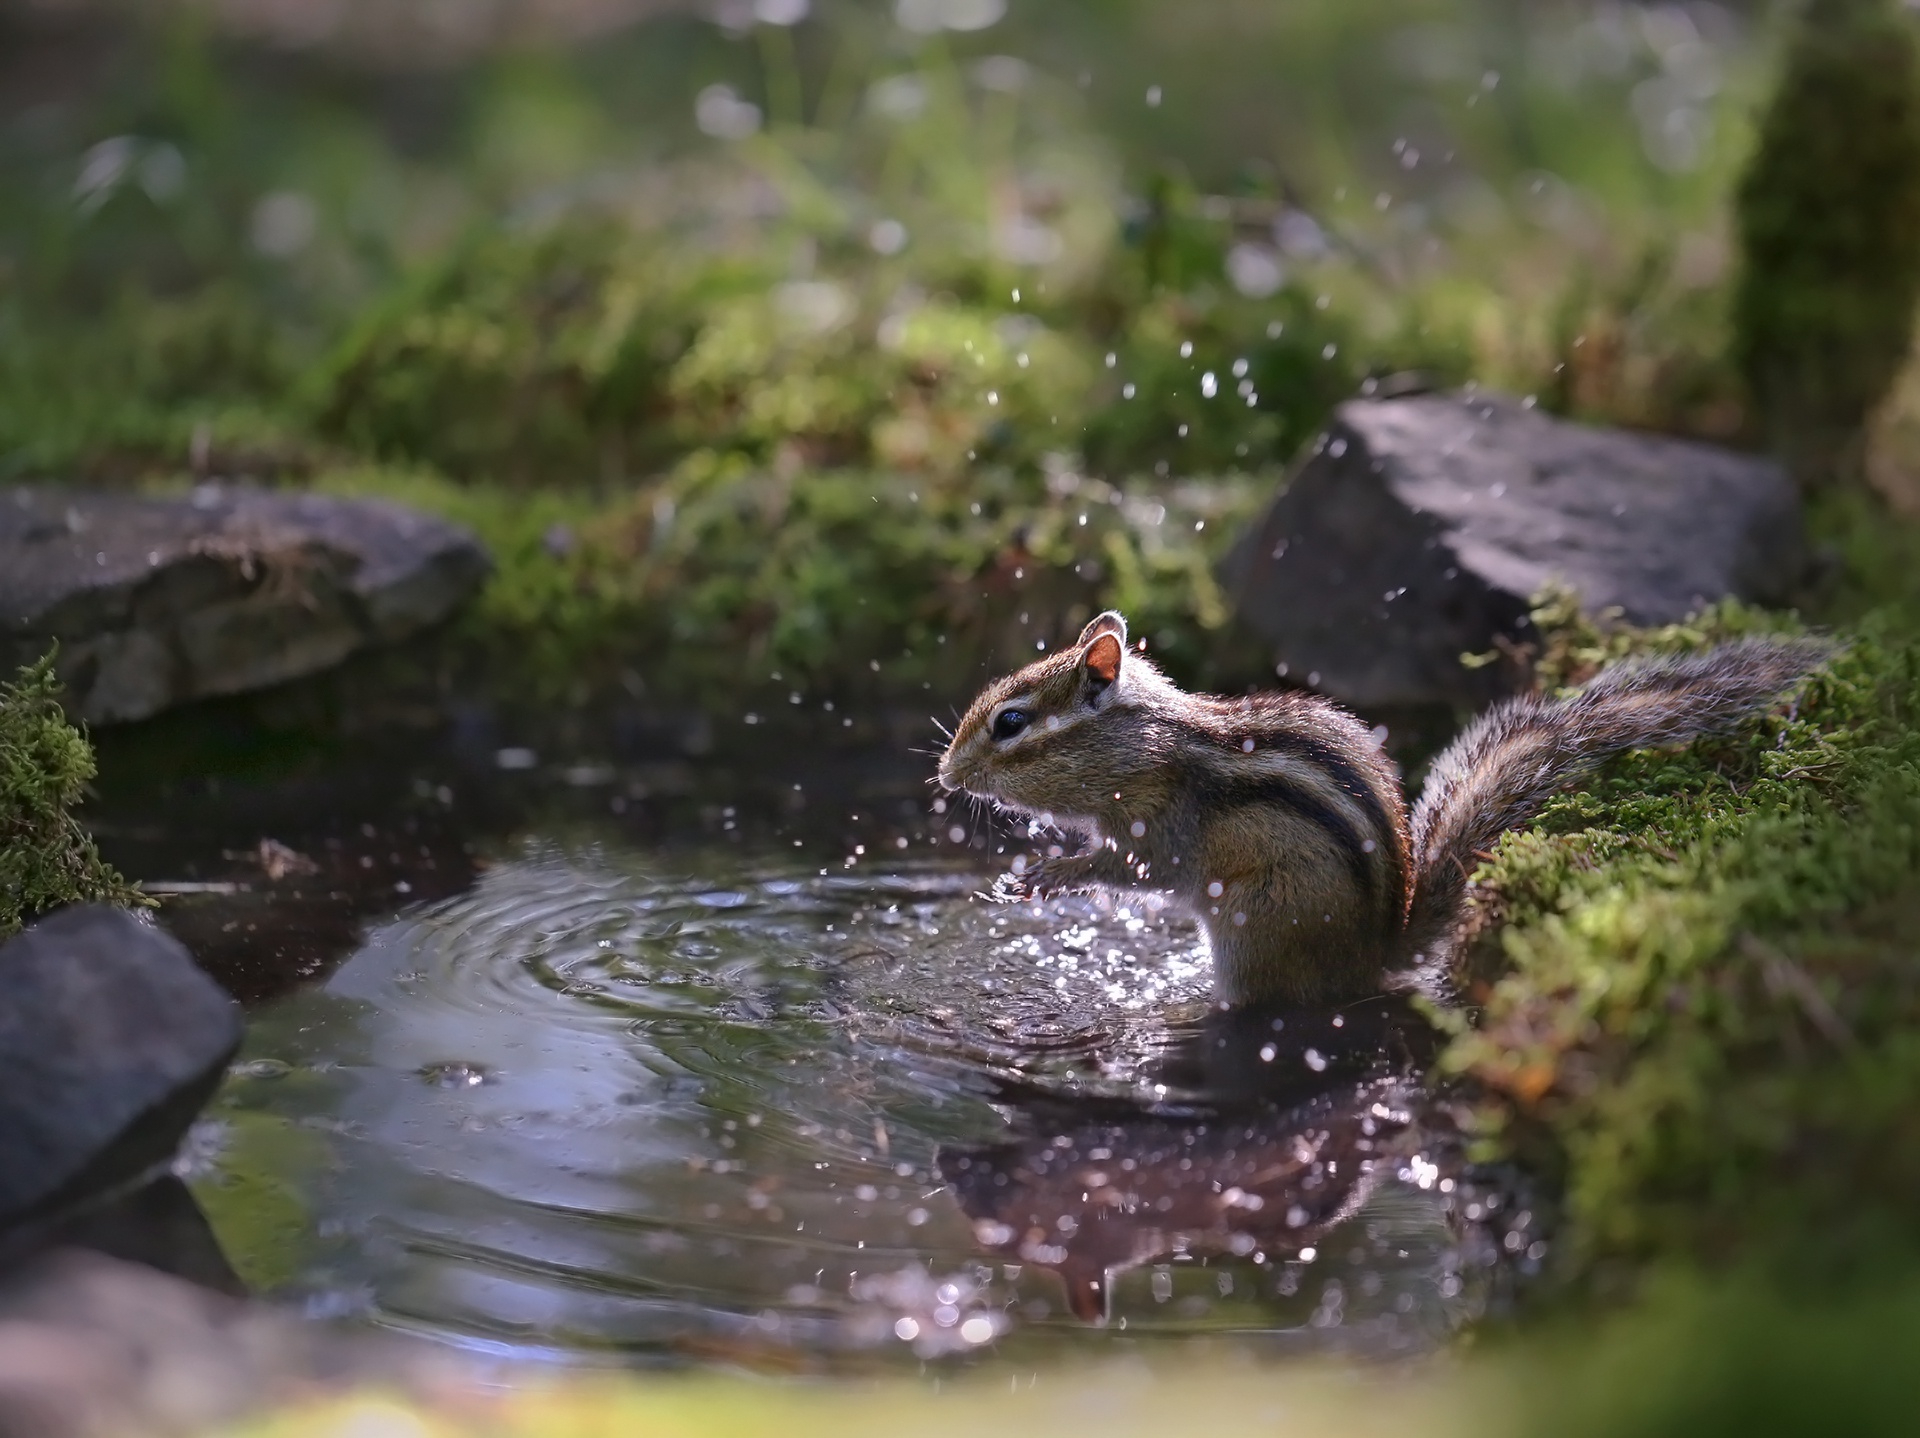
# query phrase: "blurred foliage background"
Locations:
[[802, 327]]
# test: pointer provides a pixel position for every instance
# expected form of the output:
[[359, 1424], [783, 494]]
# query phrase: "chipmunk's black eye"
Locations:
[[1009, 722]]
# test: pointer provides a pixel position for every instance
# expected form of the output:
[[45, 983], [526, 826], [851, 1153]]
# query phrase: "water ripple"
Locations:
[[594, 1103]]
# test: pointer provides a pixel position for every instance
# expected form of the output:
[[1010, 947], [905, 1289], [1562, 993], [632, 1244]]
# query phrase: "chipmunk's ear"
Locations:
[[1100, 662], [1112, 622]]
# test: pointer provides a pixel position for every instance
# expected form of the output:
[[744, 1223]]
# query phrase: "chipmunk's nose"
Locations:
[[953, 774]]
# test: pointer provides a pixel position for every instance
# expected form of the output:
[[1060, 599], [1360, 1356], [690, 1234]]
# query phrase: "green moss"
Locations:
[[148, 384], [522, 357], [815, 370], [586, 352], [46, 858], [724, 570], [255, 1196], [1278, 367], [1829, 230], [1690, 1016]]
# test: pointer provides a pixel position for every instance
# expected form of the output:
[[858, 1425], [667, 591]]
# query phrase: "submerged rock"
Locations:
[[156, 601], [1422, 526], [111, 1040]]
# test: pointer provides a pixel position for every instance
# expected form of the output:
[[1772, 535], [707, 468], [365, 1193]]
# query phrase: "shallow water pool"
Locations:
[[664, 1042], [611, 1103]]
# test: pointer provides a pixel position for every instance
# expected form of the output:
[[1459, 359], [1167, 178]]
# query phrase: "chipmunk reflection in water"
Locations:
[[1285, 1128], [1277, 819]]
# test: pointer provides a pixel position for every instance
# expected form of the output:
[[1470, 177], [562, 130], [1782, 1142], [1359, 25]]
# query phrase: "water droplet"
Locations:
[[455, 1075]]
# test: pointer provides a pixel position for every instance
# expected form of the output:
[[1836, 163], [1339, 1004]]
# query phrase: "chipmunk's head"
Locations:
[[1035, 740]]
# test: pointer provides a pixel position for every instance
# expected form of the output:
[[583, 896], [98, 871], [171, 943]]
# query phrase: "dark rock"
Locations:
[[156, 601], [111, 1040], [1421, 527], [160, 1225]]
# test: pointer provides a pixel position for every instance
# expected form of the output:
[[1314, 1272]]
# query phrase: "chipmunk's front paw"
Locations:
[[1011, 888], [1049, 878], [1041, 879]]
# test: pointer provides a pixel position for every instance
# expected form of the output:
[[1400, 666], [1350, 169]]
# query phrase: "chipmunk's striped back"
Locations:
[[1315, 766], [1278, 819]]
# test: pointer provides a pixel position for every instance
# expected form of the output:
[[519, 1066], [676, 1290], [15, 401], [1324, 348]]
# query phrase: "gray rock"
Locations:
[[156, 601], [1420, 528], [111, 1041]]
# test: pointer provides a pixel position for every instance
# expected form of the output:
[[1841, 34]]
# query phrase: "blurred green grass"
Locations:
[[751, 267]]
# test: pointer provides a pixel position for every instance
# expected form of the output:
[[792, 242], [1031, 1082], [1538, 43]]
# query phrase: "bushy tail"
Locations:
[[1513, 758]]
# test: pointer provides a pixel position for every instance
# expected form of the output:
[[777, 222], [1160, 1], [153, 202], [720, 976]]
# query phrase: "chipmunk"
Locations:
[[1277, 818]]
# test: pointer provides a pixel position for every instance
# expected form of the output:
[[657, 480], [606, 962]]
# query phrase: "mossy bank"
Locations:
[[1697, 1006]]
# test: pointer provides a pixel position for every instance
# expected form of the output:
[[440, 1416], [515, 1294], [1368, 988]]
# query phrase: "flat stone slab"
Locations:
[[155, 601], [111, 1040], [1421, 527]]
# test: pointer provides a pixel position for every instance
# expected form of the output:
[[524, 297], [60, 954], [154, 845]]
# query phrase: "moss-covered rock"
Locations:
[[46, 858], [1829, 228]]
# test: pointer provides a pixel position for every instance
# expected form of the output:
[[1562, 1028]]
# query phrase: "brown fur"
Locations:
[[1277, 819]]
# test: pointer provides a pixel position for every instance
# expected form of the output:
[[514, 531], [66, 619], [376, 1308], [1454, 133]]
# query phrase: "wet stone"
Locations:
[[155, 601], [111, 1040], [1422, 526]]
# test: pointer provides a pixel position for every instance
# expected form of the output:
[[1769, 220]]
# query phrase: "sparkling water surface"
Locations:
[[617, 1103]]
